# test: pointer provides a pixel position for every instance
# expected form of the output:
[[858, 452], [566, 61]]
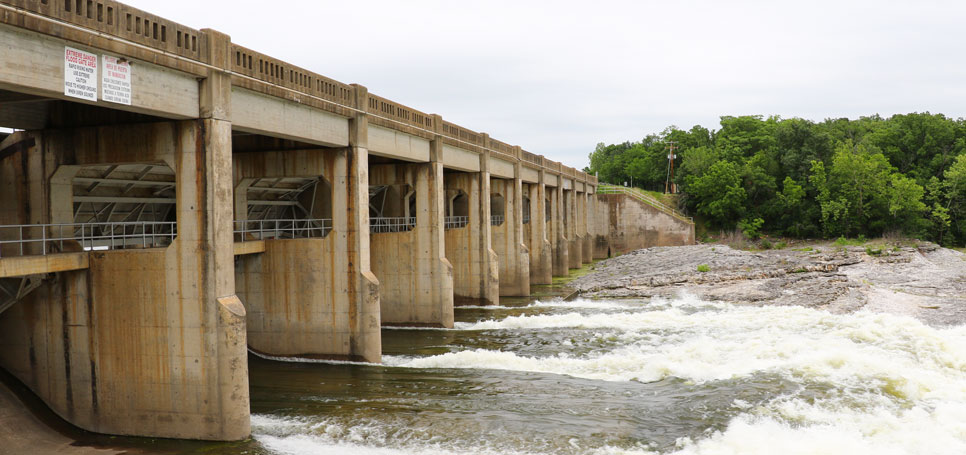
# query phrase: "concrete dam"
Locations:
[[170, 200]]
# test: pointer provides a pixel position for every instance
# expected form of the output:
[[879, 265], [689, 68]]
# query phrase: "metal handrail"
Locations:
[[496, 220], [643, 197], [455, 222], [384, 224], [89, 236], [250, 230]]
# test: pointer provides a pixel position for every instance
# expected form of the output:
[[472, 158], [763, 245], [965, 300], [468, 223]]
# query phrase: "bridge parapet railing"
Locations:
[[381, 225], [645, 198], [384, 108], [532, 158], [454, 131], [44, 239], [502, 150], [254, 64], [252, 230], [123, 21]]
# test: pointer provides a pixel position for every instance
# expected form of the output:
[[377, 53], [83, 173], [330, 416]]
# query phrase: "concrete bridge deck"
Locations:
[[171, 199]]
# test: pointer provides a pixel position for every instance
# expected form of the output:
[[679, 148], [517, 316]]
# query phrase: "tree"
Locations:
[[802, 178], [719, 193]]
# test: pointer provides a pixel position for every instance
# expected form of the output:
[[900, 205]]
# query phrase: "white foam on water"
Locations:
[[590, 304], [801, 428], [896, 353], [302, 436], [309, 360], [573, 304], [893, 385], [489, 307]]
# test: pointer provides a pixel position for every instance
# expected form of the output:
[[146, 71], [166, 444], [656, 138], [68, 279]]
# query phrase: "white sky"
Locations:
[[557, 77]]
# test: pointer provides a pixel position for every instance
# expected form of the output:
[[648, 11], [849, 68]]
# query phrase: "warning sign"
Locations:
[[116, 80], [80, 74]]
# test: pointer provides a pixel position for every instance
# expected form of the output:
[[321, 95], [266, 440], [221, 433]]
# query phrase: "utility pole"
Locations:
[[670, 169]]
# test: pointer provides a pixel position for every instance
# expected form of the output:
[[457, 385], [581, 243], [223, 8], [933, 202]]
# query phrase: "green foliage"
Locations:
[[839, 177], [704, 268], [721, 197], [751, 228], [873, 251], [765, 244], [781, 245], [842, 241]]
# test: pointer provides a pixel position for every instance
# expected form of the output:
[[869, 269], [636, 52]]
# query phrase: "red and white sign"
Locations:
[[80, 74], [116, 80]]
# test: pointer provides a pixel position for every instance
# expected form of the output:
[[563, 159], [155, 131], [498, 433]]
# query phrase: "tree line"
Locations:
[[798, 178]]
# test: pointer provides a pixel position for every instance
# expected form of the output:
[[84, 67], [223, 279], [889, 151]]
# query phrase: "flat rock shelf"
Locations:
[[924, 281]]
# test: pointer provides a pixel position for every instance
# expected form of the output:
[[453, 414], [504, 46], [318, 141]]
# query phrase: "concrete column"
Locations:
[[600, 225], [350, 190], [429, 227], [513, 255], [491, 265], [574, 248], [541, 255], [561, 258], [204, 215], [583, 215]]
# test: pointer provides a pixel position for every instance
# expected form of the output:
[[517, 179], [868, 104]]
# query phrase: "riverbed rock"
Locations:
[[923, 280]]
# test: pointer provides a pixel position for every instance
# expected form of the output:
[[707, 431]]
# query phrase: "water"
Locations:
[[679, 376]]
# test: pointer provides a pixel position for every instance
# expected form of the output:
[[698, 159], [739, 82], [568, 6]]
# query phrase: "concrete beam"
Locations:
[[121, 182], [125, 199], [257, 113], [34, 265], [460, 159], [250, 247], [397, 145], [501, 168], [33, 63]]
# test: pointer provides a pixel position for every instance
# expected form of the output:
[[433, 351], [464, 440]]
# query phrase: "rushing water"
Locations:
[[679, 376]]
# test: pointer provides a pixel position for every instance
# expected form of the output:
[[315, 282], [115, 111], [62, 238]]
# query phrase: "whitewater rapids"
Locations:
[[861, 383]]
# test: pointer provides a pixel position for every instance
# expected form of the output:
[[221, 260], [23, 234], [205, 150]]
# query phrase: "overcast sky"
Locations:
[[557, 77]]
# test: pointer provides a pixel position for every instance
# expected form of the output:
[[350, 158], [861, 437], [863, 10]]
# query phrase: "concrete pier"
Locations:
[[408, 258], [574, 239], [507, 220], [558, 226], [537, 233], [584, 211], [475, 266]]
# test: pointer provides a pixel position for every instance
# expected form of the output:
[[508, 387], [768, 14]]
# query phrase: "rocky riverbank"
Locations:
[[921, 280]]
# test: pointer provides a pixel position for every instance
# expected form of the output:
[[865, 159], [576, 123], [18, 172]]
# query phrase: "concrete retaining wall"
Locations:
[[623, 224]]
